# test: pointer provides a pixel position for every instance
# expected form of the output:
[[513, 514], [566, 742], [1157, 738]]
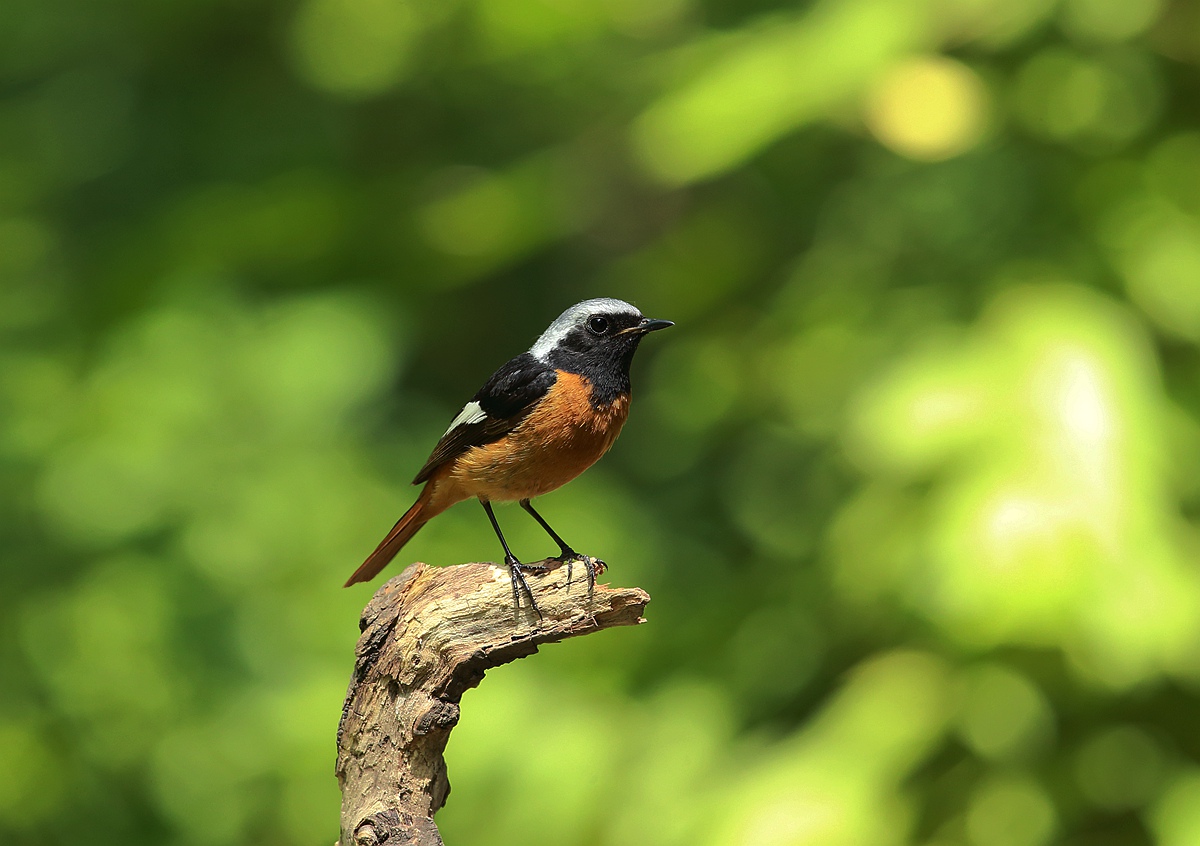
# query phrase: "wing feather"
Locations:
[[495, 410]]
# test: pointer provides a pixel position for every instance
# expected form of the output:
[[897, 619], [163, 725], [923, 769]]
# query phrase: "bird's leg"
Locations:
[[566, 554], [564, 549], [514, 566]]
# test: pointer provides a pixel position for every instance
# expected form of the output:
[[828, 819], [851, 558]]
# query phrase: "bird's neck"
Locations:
[[608, 374]]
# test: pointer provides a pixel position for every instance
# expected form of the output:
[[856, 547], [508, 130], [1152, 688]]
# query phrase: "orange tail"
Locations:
[[401, 533]]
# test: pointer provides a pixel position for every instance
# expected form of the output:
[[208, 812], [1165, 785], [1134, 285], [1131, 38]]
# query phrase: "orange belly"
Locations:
[[560, 439]]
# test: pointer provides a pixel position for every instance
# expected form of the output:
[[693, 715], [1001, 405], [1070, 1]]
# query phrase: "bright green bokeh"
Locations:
[[914, 482]]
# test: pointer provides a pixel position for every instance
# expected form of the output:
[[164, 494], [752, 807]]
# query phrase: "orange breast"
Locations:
[[561, 438]]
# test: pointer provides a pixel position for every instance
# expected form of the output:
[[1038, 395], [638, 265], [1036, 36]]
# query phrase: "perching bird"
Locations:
[[537, 423]]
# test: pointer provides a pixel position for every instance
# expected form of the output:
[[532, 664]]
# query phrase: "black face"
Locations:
[[599, 339], [610, 325], [600, 348]]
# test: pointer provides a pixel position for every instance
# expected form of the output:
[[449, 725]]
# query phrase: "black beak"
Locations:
[[648, 325]]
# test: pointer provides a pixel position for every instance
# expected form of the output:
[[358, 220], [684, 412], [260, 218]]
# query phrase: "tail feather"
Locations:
[[401, 533]]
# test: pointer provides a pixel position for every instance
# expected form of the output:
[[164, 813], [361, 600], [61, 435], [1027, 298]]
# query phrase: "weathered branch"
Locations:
[[428, 635]]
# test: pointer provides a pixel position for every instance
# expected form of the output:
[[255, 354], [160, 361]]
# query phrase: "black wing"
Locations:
[[495, 410]]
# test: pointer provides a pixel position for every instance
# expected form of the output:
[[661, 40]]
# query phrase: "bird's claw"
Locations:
[[593, 566]]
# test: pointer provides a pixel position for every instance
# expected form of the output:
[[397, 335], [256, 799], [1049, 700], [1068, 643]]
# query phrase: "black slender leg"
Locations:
[[567, 554], [562, 545], [514, 566]]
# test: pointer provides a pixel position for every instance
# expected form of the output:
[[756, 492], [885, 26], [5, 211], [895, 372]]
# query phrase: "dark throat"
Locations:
[[606, 367]]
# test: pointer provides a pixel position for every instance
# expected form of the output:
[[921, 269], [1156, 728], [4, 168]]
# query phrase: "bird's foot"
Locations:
[[593, 566], [517, 572]]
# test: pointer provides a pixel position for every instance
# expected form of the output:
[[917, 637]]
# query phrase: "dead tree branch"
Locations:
[[428, 635]]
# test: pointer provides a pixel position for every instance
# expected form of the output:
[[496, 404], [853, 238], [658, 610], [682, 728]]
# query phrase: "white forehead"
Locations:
[[574, 316]]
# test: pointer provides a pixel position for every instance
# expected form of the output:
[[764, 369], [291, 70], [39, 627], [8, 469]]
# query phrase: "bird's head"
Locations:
[[595, 334]]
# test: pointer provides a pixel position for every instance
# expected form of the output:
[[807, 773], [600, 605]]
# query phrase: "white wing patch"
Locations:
[[472, 412]]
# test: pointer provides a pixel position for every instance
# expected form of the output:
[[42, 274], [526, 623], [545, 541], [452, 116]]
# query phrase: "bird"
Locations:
[[539, 421]]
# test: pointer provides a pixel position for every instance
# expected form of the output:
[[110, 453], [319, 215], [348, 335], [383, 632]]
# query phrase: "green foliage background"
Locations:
[[914, 482]]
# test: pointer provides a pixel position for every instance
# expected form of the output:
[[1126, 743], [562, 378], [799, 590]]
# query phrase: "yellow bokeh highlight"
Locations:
[[928, 108], [744, 93], [773, 80]]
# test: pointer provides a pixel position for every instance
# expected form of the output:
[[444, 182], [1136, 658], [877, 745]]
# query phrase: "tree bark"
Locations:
[[428, 635]]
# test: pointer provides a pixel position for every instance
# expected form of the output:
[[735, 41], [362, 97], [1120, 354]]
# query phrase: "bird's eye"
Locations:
[[598, 325]]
